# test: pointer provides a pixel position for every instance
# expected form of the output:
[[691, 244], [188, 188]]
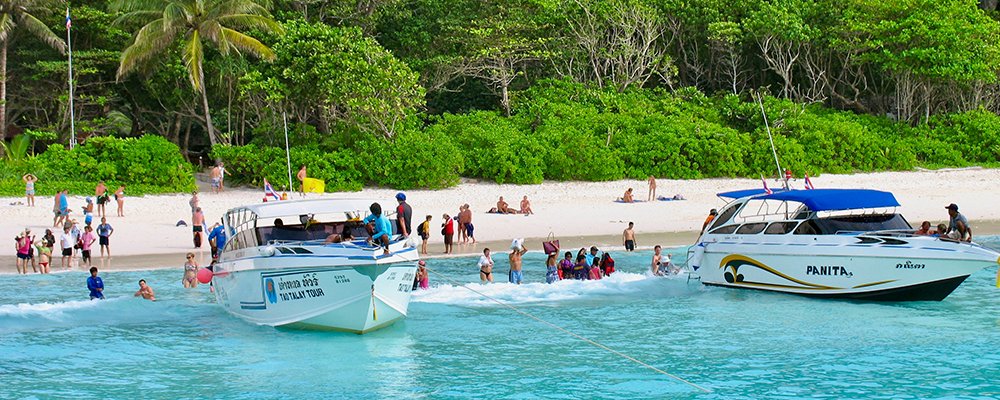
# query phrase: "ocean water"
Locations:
[[456, 344]]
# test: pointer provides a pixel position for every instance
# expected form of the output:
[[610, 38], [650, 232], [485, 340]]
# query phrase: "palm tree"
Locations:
[[192, 22], [19, 14]]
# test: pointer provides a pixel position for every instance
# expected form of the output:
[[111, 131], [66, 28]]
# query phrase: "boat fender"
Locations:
[[267, 251], [699, 252]]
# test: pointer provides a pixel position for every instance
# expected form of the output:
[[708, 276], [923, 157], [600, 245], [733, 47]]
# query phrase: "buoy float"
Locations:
[[204, 275]]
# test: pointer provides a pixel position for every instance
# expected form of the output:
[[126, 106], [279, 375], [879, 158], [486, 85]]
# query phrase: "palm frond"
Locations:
[[247, 44], [248, 21], [193, 56], [221, 8], [42, 31], [7, 25], [141, 16], [150, 41], [128, 6], [174, 16], [212, 31]]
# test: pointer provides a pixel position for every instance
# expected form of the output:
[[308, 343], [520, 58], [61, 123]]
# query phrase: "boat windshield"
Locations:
[[304, 228], [859, 223]]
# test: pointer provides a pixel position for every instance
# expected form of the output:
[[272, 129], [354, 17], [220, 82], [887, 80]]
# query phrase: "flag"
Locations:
[[766, 189], [269, 191], [69, 22], [809, 183]]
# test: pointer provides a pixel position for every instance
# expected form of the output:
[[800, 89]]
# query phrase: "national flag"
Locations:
[[766, 189], [69, 22], [809, 183], [269, 191]]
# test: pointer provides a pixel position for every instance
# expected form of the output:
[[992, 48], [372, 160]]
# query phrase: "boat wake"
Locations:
[[618, 284]]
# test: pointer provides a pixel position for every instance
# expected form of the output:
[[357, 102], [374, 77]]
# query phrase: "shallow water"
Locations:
[[457, 344]]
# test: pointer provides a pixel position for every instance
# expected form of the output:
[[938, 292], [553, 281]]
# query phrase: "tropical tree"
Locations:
[[192, 22], [21, 14]]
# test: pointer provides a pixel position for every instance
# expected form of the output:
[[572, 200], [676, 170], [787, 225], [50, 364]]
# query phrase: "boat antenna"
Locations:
[[769, 137], [288, 155]]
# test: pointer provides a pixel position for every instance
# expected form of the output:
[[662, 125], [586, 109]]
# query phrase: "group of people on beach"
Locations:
[[504, 208]]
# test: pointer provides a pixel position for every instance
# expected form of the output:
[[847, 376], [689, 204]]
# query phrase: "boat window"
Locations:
[[725, 216], [751, 229], [725, 230], [861, 223], [780, 228], [807, 228]]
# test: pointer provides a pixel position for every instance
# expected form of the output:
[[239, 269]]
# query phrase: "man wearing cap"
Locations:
[[958, 225], [590, 256], [403, 214]]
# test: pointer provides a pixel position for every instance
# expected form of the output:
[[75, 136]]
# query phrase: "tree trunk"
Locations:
[[505, 98], [208, 116], [3, 89]]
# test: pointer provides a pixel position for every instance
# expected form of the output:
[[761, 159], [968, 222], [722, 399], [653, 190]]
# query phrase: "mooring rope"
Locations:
[[582, 338]]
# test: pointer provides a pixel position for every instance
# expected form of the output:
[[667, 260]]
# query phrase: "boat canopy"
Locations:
[[824, 199], [738, 194]]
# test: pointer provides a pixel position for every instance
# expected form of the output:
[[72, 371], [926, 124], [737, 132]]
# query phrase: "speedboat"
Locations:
[[284, 266], [834, 243]]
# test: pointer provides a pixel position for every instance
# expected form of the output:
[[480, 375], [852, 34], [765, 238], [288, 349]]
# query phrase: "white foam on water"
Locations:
[[617, 283], [49, 310]]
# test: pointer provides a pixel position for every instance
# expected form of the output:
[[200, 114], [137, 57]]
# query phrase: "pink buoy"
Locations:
[[204, 275]]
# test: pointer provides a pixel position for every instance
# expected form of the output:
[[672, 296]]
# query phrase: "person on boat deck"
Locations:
[[925, 229], [382, 226], [627, 197], [941, 230], [708, 220], [345, 235], [958, 225]]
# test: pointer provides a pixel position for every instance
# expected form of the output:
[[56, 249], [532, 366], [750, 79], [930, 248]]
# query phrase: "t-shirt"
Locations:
[[425, 228], [219, 234], [953, 223], [382, 225], [449, 227], [104, 230], [66, 239], [63, 203], [485, 261], [590, 258], [404, 210], [86, 240], [94, 283]]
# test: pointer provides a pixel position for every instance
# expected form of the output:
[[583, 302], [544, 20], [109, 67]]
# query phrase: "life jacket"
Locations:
[[609, 265]]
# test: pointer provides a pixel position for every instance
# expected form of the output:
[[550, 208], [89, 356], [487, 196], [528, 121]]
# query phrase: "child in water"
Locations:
[[581, 271], [566, 267], [423, 280], [595, 270]]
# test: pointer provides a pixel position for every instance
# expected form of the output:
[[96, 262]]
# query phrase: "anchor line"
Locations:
[[564, 330]]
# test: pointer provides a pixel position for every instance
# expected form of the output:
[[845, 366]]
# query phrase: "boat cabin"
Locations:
[[808, 212]]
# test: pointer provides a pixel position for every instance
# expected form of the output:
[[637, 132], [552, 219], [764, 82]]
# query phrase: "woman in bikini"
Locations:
[[486, 266], [120, 198], [190, 280]]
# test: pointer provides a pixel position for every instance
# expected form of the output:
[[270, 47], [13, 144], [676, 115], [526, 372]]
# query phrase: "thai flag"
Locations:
[[809, 183], [766, 189], [269, 191], [69, 22]]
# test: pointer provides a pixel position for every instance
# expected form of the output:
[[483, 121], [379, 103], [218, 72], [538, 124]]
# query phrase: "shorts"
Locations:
[[67, 252], [86, 255], [215, 182], [424, 236], [196, 228], [630, 245], [515, 276], [102, 199], [29, 192], [448, 238], [23, 256], [102, 240], [469, 228]]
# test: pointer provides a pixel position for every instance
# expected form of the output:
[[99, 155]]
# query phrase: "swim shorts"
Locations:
[[469, 228], [630, 245], [196, 228], [448, 239], [23, 256], [102, 199], [102, 240], [86, 255], [67, 252], [515, 276], [215, 182]]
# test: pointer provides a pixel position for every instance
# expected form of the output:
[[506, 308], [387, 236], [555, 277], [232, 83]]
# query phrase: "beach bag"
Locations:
[[551, 244]]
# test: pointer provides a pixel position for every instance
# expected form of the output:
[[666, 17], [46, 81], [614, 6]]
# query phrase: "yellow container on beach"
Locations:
[[313, 185]]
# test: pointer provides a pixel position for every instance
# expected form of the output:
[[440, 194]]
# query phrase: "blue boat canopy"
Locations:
[[737, 194], [825, 199]]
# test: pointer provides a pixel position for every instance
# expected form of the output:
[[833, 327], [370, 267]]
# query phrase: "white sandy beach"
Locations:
[[567, 209]]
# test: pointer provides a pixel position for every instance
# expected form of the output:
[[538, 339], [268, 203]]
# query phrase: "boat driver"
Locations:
[[958, 225], [382, 227]]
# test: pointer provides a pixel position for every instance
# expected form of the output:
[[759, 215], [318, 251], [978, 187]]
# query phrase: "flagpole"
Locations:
[[72, 112], [288, 155], [769, 137]]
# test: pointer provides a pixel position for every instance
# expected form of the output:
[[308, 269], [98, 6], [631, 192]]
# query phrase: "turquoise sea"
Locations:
[[455, 344]]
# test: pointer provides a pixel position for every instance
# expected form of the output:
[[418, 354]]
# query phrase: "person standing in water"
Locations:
[[95, 285], [656, 262], [551, 268], [486, 266], [628, 237], [423, 280], [190, 280], [515, 275], [145, 291]]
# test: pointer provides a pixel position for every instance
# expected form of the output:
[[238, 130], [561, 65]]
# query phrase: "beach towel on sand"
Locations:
[[623, 201]]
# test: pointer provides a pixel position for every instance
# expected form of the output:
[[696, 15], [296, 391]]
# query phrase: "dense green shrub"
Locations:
[[494, 147], [413, 159], [146, 165], [251, 164]]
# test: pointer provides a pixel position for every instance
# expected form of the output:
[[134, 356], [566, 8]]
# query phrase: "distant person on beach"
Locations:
[[424, 230], [607, 264], [216, 176], [145, 291], [61, 208], [101, 193], [88, 212], [566, 266], [515, 275], [628, 236], [463, 218], [87, 239], [195, 202], [44, 254], [504, 208], [66, 241], [190, 279], [469, 227], [222, 176], [552, 267], [526, 206], [301, 176], [95, 285], [652, 188], [382, 227], [22, 243], [120, 198], [448, 231], [925, 229], [627, 197], [198, 227], [486, 266], [656, 262], [55, 209], [423, 280], [958, 225], [708, 220], [29, 188], [404, 216], [104, 231]]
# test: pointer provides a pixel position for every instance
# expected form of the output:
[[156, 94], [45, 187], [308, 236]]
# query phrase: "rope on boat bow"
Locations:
[[564, 330]]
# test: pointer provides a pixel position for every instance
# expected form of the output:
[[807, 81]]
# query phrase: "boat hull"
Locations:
[[355, 298]]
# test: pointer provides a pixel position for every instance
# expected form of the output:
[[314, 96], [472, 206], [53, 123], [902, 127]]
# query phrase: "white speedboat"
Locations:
[[277, 269], [838, 243]]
